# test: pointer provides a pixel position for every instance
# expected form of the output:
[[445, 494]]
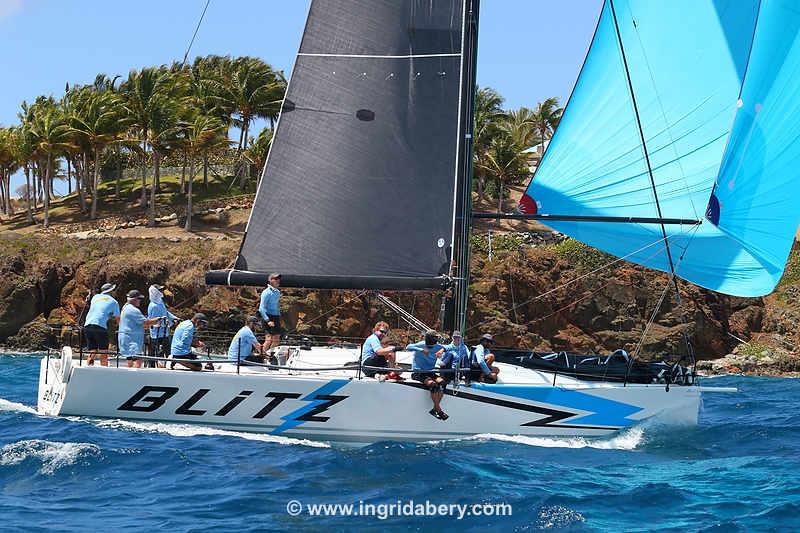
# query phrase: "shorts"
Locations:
[[96, 337], [376, 361], [475, 372], [422, 376], [254, 359], [272, 330], [185, 356]]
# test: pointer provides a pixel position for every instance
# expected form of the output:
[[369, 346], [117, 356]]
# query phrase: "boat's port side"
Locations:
[[308, 397]]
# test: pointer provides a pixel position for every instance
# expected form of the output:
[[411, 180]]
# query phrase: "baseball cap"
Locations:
[[274, 275], [200, 317], [134, 294], [107, 287], [253, 320], [487, 337]]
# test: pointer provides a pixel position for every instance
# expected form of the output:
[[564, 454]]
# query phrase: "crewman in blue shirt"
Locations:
[[375, 355], [426, 354], [159, 332], [130, 337], [183, 340], [95, 328], [456, 355], [241, 348], [481, 368], [270, 311]]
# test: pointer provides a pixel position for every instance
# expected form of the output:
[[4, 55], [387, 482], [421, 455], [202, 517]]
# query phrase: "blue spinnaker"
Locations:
[[755, 200], [686, 60]]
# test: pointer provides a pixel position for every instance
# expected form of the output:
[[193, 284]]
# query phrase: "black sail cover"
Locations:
[[359, 186]]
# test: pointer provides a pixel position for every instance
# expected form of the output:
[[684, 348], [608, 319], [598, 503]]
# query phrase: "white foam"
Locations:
[[7, 405], [191, 430], [53, 455], [627, 440]]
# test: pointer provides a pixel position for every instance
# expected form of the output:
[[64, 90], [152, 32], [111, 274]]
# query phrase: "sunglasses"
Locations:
[[383, 331]]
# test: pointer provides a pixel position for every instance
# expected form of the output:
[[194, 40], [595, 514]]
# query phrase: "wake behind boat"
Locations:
[[674, 152]]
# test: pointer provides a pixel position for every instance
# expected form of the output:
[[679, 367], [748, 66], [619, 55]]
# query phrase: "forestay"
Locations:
[[686, 61]]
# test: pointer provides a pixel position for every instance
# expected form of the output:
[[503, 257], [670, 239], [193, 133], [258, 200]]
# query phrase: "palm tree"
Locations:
[[505, 160], [51, 135], [199, 136], [8, 165], [520, 124], [162, 136], [98, 121], [489, 116], [546, 117], [256, 153], [251, 89], [141, 90]]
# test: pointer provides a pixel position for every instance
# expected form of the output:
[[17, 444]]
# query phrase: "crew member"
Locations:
[[426, 354], [374, 354], [481, 368], [241, 348], [456, 355], [270, 311], [130, 337], [95, 328], [183, 340], [159, 332]]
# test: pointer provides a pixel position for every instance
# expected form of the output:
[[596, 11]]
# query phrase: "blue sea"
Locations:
[[739, 470]]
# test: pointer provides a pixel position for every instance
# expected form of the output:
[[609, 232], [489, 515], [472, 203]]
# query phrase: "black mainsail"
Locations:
[[361, 186]]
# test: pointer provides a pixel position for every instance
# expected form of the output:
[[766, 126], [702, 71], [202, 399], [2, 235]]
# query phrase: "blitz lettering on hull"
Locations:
[[150, 399]]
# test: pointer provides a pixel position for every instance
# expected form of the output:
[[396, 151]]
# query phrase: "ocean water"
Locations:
[[739, 470]]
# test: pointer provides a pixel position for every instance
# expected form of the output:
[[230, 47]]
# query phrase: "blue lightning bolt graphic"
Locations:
[[290, 420]]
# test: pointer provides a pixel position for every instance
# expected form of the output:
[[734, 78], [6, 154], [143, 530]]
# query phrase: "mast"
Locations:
[[455, 306]]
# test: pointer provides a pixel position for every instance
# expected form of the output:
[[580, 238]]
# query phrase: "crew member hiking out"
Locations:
[[183, 340], [426, 353], [130, 337], [374, 354], [270, 311], [95, 328]]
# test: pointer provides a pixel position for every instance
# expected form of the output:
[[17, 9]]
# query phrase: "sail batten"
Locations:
[[360, 181]]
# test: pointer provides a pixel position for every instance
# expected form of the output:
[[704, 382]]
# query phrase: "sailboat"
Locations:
[[676, 151]]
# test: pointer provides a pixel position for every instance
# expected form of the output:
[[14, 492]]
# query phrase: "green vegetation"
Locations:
[[177, 113], [501, 242], [581, 256], [754, 349], [504, 139], [184, 116]]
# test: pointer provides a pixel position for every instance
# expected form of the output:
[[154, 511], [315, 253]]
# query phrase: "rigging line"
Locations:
[[197, 28], [663, 112], [574, 280], [357, 296], [579, 300], [652, 318], [641, 133]]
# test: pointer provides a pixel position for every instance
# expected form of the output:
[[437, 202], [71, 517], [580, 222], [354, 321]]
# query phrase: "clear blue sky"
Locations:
[[528, 49]]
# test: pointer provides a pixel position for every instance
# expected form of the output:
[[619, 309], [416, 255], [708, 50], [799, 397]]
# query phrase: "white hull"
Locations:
[[337, 406]]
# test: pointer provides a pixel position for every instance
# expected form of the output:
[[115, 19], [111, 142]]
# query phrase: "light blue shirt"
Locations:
[[155, 310], [423, 361], [130, 337], [479, 356], [371, 347], [242, 344], [102, 309], [454, 355], [269, 302], [182, 339]]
